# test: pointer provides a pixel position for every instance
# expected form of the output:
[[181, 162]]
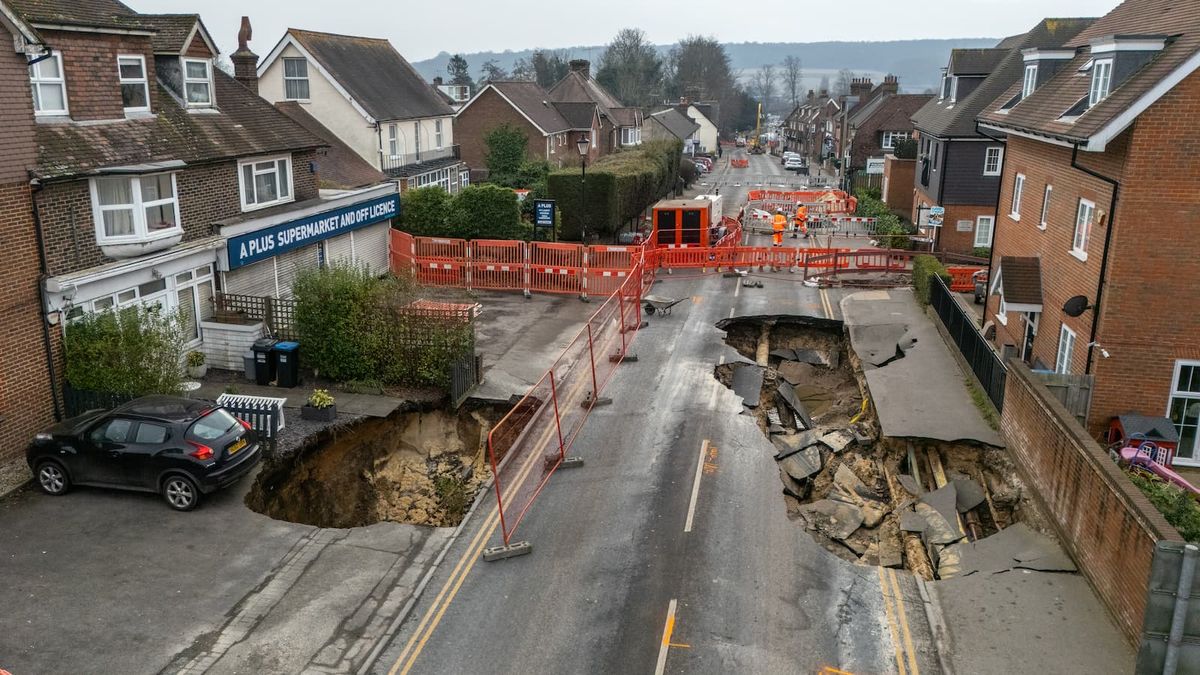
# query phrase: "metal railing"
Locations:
[[984, 361], [395, 164]]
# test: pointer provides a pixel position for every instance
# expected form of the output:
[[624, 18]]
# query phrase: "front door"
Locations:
[[102, 456], [1031, 324], [1184, 411]]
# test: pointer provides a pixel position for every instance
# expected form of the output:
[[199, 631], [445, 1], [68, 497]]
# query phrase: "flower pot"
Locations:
[[308, 412], [197, 372]]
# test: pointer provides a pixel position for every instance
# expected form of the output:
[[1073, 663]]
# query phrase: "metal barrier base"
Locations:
[[617, 358], [591, 402], [571, 463], [511, 551]]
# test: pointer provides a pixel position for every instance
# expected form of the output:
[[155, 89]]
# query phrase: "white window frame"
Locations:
[[987, 160], [1030, 82], [437, 134], [1085, 215], [1018, 188], [207, 81], [394, 141], [1046, 195], [37, 80], [1066, 349], [1187, 394], [294, 78], [141, 230], [256, 205], [991, 229], [1101, 81], [954, 89], [417, 139], [888, 142], [144, 80]]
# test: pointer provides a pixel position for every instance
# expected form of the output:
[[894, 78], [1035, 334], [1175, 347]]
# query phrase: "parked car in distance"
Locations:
[[793, 164], [788, 155], [705, 161], [177, 447]]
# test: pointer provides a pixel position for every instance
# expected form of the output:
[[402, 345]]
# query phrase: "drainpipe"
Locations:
[[995, 214], [1112, 212], [44, 273]]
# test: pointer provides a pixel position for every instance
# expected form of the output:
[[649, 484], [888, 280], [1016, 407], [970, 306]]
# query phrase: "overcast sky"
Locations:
[[419, 30]]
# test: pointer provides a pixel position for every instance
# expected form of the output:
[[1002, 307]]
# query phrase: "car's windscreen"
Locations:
[[214, 425]]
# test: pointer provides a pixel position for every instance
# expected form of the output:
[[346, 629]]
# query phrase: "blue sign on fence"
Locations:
[[271, 241], [543, 212]]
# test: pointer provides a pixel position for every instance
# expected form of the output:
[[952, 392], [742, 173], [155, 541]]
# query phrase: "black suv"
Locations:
[[177, 447]]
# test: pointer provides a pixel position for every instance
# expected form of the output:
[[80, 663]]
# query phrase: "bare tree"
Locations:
[[793, 79], [824, 88], [764, 86], [844, 78]]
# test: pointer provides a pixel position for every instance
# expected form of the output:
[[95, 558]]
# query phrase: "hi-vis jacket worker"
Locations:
[[778, 224], [800, 223]]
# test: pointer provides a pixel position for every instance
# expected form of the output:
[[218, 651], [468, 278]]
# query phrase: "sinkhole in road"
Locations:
[[915, 504], [422, 467]]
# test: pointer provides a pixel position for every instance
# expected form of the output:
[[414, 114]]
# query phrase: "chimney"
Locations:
[[685, 101], [437, 81], [824, 94], [245, 62], [860, 87], [890, 85], [582, 66], [811, 94]]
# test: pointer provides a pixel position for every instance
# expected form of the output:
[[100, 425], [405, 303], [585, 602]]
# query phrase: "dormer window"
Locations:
[[135, 89], [945, 87], [49, 86], [197, 82], [1101, 80], [1030, 81]]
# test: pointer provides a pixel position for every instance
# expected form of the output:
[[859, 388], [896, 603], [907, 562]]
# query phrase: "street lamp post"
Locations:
[[583, 144]]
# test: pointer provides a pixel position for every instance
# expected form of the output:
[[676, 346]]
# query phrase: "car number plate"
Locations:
[[233, 449]]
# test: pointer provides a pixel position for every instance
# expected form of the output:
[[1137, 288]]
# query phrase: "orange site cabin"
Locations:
[[682, 222]]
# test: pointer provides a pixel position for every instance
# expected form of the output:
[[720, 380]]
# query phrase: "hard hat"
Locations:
[[778, 210]]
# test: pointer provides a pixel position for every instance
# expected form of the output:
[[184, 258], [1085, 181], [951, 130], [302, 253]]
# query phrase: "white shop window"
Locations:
[[265, 182], [135, 208], [49, 86], [197, 82], [135, 89]]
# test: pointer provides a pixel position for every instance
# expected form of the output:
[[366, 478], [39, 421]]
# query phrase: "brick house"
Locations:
[[811, 126], [875, 127], [672, 125], [552, 129], [367, 94], [1098, 200], [163, 181], [620, 126], [958, 167]]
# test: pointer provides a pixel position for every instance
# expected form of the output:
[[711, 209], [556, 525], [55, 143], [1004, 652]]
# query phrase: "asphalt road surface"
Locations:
[[670, 550]]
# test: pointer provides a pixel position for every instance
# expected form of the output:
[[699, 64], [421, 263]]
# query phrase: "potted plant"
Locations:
[[196, 367], [320, 407]]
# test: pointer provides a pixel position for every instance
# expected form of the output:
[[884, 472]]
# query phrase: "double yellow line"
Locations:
[[826, 305], [893, 605]]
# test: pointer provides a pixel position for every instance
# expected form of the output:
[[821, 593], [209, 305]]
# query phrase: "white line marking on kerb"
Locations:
[[661, 666], [687, 527]]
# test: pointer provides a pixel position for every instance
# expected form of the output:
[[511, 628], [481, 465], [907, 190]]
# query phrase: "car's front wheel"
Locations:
[[52, 478], [180, 492]]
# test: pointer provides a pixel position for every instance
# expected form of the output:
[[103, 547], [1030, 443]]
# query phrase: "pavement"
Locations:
[[365, 405], [922, 394]]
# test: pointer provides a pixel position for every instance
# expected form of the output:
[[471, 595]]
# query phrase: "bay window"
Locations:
[[49, 86], [265, 182], [197, 82], [135, 88], [135, 208]]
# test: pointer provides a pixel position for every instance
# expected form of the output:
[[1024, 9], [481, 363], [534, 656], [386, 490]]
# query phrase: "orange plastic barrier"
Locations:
[[556, 268], [608, 267], [441, 273], [881, 260], [401, 252], [739, 163], [435, 248], [962, 278], [497, 264]]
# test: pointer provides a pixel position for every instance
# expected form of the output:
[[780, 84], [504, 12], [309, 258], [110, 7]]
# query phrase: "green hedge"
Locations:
[[476, 212], [891, 233], [620, 187], [925, 267], [424, 211], [134, 350], [353, 327]]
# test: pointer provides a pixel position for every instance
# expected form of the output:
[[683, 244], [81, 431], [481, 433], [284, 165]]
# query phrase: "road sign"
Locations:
[[936, 215], [543, 212]]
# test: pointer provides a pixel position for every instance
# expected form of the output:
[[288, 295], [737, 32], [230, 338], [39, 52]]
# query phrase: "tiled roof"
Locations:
[[1040, 112], [579, 115], [531, 100], [957, 120], [575, 88], [374, 74], [975, 61], [1021, 278], [173, 31], [895, 112], [340, 167], [626, 117], [91, 13], [679, 125], [246, 125]]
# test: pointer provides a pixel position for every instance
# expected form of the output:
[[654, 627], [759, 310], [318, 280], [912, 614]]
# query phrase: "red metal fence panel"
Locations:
[[401, 251], [962, 278]]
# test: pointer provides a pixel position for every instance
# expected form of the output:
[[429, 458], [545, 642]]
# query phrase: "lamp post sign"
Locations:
[[543, 216]]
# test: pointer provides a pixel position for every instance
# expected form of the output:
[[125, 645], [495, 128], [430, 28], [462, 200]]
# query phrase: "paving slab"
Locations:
[[366, 405], [924, 394]]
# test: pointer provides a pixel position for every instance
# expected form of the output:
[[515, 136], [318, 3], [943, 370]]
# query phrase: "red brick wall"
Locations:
[[949, 238], [90, 67], [898, 177], [17, 145], [1150, 312], [487, 112], [207, 193], [1104, 521], [1063, 275]]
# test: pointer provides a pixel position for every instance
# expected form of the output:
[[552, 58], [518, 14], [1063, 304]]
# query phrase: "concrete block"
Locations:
[[495, 553]]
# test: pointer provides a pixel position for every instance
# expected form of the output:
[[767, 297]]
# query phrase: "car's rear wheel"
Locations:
[[180, 492], [52, 478]]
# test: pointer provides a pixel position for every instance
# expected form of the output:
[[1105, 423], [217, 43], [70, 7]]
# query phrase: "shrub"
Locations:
[[320, 399], [981, 252], [195, 359], [134, 350], [1177, 506], [905, 149], [424, 211], [890, 232], [486, 212], [506, 151], [924, 269]]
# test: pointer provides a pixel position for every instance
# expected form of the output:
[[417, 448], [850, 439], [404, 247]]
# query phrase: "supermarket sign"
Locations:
[[252, 247]]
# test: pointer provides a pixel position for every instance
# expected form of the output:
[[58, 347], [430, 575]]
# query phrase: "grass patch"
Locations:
[[453, 496], [982, 403], [1177, 506]]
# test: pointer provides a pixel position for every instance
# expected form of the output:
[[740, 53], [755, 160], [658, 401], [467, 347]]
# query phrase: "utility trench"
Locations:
[[910, 503]]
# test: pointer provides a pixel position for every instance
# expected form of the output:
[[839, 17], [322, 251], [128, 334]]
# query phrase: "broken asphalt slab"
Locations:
[[922, 395], [748, 382], [836, 520], [802, 464]]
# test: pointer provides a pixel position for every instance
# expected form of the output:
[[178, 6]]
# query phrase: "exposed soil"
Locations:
[[854, 493], [419, 467]]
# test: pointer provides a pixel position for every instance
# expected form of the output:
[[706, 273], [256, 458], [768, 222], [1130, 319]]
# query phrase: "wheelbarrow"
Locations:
[[657, 303]]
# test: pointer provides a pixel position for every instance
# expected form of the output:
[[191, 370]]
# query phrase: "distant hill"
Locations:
[[916, 62]]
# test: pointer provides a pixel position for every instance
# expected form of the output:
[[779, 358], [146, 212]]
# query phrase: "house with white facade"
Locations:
[[367, 94]]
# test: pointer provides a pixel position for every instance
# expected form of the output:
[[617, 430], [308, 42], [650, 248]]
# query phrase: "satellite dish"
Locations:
[[1076, 306]]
